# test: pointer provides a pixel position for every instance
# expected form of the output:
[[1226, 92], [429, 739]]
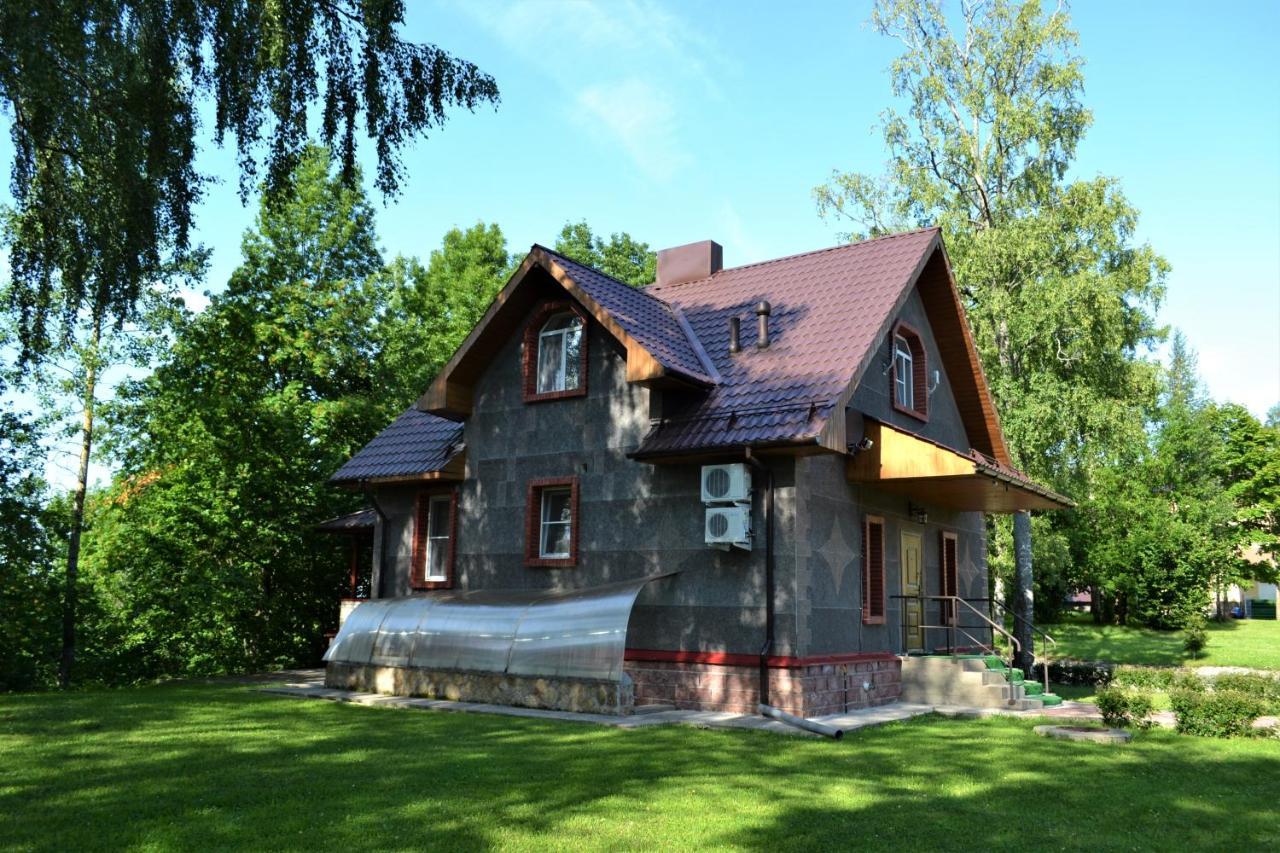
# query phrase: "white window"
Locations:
[[560, 354], [557, 524], [903, 376], [438, 529]]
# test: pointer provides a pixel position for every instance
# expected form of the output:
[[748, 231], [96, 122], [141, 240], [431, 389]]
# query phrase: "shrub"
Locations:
[[1222, 713], [1261, 687], [1121, 707], [1188, 681], [1194, 636], [1086, 672], [1144, 677]]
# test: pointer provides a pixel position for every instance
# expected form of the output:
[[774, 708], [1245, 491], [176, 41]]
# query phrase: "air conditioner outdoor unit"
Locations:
[[729, 527], [726, 483]]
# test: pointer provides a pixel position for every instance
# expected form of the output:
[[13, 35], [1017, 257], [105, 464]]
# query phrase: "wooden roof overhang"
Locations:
[[450, 393], [906, 464]]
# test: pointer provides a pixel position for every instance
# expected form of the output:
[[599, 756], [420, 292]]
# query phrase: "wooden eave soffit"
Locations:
[[451, 397], [906, 464]]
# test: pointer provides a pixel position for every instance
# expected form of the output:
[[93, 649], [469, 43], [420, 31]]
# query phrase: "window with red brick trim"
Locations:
[[554, 357], [435, 534], [908, 385], [949, 580], [873, 591], [551, 523]]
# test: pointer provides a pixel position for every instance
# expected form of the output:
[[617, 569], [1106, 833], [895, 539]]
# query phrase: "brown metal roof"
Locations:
[[829, 309], [646, 318], [415, 443]]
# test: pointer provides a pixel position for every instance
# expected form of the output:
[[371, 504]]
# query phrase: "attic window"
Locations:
[[909, 368], [555, 357]]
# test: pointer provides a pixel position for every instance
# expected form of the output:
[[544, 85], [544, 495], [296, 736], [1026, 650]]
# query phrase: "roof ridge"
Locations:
[[792, 257]]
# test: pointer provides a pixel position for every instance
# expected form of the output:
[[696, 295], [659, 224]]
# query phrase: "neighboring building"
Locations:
[[564, 518], [1257, 601]]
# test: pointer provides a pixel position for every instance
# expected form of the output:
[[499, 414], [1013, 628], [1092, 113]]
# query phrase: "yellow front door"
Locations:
[[912, 575]]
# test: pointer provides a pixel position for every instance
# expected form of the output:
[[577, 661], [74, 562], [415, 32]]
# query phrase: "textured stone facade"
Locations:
[[804, 689], [559, 694]]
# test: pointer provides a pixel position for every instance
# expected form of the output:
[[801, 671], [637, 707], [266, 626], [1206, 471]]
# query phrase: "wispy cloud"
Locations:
[[632, 68], [639, 118]]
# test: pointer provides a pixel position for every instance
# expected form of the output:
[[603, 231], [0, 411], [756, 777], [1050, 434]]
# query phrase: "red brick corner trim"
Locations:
[[529, 352], [533, 523], [418, 568], [737, 659]]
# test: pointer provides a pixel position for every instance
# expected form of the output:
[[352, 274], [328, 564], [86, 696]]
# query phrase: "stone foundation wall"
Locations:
[[804, 689], [559, 694]]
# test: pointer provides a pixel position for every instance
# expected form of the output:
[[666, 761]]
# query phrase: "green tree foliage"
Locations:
[[30, 596], [104, 101], [1164, 527], [1060, 298], [445, 301], [205, 542], [202, 557], [620, 256]]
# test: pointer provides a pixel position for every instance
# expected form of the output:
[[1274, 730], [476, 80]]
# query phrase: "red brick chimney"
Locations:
[[689, 262]]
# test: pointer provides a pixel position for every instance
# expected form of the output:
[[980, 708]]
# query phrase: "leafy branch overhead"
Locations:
[[105, 106]]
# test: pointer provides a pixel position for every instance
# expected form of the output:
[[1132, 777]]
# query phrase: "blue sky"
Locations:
[[694, 120], [681, 121]]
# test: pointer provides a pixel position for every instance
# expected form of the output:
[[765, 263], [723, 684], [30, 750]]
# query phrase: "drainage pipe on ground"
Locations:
[[800, 722]]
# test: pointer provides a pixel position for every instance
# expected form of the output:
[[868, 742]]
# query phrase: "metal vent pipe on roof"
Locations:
[[735, 334], [762, 320]]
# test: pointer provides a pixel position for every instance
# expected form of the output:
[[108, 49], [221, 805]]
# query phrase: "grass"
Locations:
[[184, 767], [1085, 693], [1253, 643]]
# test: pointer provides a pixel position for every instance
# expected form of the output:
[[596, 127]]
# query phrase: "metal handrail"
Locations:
[[956, 626], [1044, 635]]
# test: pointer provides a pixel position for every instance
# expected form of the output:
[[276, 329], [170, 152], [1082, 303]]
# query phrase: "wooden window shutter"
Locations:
[[920, 379], [948, 582], [421, 512], [873, 589]]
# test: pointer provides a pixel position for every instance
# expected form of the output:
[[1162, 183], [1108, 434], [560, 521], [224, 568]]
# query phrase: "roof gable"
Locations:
[[659, 349]]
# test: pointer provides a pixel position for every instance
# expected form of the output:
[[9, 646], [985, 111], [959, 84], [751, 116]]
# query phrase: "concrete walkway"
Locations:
[[310, 685]]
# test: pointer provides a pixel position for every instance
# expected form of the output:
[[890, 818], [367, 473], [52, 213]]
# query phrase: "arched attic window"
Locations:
[[909, 387], [555, 353]]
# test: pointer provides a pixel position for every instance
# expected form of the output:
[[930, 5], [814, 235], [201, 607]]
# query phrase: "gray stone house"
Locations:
[[764, 483]]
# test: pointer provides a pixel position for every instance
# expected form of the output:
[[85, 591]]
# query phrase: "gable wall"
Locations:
[[636, 518], [873, 395]]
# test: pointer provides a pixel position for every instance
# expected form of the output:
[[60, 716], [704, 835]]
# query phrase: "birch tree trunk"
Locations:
[[69, 601]]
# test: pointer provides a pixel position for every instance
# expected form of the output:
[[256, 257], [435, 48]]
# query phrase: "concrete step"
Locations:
[[957, 681], [652, 709]]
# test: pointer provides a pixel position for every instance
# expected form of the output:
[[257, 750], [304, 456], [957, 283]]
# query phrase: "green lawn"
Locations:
[[186, 767], [1252, 642]]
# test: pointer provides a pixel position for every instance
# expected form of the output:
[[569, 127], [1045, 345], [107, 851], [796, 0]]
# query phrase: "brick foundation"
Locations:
[[804, 688]]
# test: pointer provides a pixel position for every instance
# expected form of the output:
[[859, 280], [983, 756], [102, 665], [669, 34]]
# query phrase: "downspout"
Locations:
[[767, 648], [764, 708], [379, 542]]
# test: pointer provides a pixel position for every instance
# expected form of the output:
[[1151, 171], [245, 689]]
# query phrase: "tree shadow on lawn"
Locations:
[[199, 767]]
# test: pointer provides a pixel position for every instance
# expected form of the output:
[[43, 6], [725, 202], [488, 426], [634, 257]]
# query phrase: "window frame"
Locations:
[[532, 348], [534, 522], [917, 383], [869, 614], [422, 544], [903, 385]]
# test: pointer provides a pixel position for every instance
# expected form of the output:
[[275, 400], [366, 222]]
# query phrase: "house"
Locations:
[[764, 483]]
